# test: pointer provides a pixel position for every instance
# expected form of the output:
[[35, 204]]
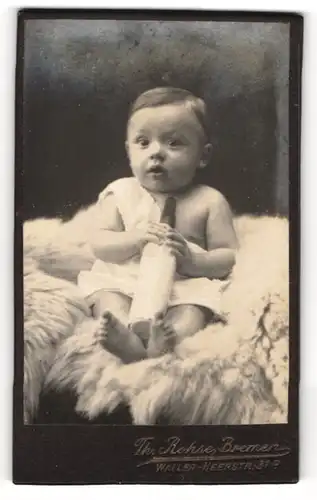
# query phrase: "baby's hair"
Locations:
[[161, 96]]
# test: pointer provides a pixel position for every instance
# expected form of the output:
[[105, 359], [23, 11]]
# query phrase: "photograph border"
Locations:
[[101, 454]]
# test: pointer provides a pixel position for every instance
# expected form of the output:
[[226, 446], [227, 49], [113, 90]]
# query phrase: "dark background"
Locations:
[[80, 77]]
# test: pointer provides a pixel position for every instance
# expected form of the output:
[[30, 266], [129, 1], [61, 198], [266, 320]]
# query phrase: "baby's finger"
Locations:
[[153, 238], [175, 246], [158, 229], [155, 232], [176, 240], [176, 253], [175, 236], [160, 225]]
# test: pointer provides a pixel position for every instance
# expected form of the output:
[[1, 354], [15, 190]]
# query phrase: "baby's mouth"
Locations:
[[156, 169]]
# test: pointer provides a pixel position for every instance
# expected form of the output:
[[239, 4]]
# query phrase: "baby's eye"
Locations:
[[142, 141], [175, 143]]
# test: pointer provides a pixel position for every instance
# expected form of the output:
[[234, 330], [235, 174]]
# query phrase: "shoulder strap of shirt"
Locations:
[[135, 205]]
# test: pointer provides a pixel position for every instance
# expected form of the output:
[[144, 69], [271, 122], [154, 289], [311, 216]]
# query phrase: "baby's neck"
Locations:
[[179, 193]]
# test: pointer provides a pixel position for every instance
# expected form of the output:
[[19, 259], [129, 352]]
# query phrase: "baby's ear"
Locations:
[[206, 154]]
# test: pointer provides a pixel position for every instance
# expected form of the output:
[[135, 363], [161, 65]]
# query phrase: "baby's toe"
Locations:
[[108, 321], [106, 317], [168, 330], [100, 337], [158, 319], [170, 336]]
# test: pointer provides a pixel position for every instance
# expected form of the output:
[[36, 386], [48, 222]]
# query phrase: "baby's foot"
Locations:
[[103, 330], [106, 331], [162, 337], [116, 338]]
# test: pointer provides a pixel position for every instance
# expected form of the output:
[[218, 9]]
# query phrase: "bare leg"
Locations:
[[112, 310], [187, 319], [180, 322]]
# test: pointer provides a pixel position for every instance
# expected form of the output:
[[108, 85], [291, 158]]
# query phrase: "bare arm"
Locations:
[[109, 240], [219, 259]]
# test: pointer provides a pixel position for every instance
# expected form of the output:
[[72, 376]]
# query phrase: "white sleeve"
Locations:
[[121, 190]]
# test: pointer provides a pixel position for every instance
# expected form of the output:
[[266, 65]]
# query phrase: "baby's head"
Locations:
[[166, 138]]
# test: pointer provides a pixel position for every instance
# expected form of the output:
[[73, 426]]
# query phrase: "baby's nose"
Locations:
[[156, 150]]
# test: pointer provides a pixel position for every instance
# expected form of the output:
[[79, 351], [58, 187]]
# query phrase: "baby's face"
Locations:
[[165, 147]]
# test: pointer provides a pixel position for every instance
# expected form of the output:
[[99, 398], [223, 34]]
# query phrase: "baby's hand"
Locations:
[[179, 248], [154, 232]]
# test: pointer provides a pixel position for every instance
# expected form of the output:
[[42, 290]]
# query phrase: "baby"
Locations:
[[166, 144]]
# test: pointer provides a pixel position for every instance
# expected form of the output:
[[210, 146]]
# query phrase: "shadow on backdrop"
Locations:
[[80, 78]]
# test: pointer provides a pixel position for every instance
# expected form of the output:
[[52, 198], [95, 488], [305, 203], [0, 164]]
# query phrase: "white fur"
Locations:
[[232, 374]]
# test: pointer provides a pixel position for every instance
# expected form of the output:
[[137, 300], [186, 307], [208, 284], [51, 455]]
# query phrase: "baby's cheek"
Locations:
[[178, 155]]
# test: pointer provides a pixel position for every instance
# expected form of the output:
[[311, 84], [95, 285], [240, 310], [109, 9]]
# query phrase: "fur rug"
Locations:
[[226, 374]]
